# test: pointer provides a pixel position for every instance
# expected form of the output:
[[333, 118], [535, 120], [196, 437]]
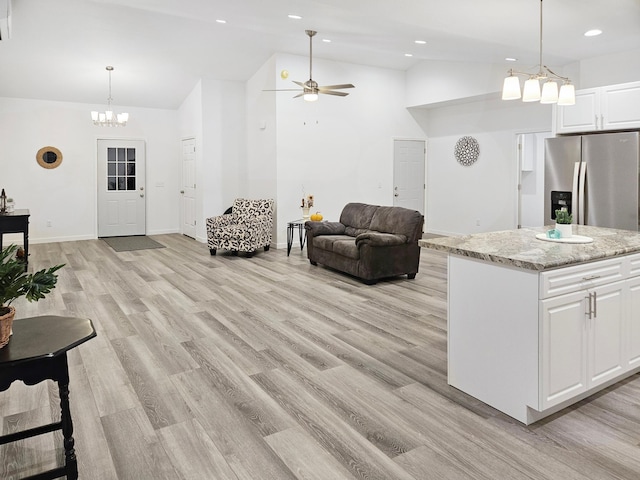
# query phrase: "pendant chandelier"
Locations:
[[532, 92], [109, 118]]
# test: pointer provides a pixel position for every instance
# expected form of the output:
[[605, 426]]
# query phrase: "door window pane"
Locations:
[[121, 168]]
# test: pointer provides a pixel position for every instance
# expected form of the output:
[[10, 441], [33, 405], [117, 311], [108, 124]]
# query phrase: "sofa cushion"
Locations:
[[346, 248], [398, 220], [340, 244], [357, 216]]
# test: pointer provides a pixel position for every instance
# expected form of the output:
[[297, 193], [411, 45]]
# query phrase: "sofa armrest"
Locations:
[[219, 221], [324, 228], [377, 239]]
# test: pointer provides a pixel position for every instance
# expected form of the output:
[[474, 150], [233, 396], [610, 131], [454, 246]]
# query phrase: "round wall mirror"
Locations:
[[49, 157]]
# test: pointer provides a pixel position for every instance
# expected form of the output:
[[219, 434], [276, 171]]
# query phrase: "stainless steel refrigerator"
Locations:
[[595, 177]]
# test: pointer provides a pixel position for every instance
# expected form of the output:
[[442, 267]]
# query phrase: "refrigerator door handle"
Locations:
[[574, 192], [581, 199]]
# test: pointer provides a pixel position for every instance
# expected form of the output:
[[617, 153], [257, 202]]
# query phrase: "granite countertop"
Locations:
[[520, 248]]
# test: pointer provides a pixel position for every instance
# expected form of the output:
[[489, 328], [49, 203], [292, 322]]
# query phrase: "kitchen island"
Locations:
[[535, 326]]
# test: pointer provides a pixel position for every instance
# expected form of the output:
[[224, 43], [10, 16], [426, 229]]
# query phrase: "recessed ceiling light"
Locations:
[[592, 33], [511, 59], [420, 42], [326, 40], [295, 17], [408, 54], [221, 21]]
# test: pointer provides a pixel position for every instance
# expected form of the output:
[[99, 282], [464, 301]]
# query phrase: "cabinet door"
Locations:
[[563, 348], [633, 324], [605, 327], [620, 105], [581, 117]]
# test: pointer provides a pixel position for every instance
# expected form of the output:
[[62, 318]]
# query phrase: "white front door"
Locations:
[[188, 190], [121, 188], [408, 174]]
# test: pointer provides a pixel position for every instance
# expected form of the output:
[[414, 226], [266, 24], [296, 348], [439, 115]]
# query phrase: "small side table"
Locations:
[[37, 351], [16, 222], [291, 226]]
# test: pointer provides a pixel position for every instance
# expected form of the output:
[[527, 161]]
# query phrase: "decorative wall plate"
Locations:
[[49, 157], [467, 150]]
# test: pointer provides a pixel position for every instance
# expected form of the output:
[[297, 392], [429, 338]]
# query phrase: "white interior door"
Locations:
[[188, 190], [121, 188], [408, 174]]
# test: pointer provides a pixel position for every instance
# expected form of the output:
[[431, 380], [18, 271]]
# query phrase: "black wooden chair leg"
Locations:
[[212, 251], [411, 276], [266, 248]]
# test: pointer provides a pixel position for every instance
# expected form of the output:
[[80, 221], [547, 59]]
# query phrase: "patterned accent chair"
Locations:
[[247, 228]]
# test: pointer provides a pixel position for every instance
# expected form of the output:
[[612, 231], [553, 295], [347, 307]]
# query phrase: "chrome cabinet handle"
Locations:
[[595, 304], [590, 277], [588, 312], [181, 191]]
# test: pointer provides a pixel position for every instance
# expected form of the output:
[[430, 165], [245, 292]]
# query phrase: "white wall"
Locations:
[[339, 148], [459, 197], [66, 196], [214, 114]]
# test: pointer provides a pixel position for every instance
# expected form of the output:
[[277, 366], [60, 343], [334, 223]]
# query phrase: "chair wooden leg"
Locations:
[[411, 276], [212, 251], [251, 254], [312, 262], [266, 248], [234, 253]]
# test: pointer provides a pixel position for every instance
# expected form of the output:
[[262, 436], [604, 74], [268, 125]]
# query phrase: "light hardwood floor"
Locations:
[[269, 368]]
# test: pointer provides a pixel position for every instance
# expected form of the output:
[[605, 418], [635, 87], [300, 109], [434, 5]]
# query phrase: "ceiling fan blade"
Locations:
[[282, 90], [298, 83], [336, 87], [331, 92], [299, 95]]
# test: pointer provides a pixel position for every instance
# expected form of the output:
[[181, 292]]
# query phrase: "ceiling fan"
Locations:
[[310, 88]]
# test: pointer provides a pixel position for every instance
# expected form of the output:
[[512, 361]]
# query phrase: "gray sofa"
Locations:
[[370, 242]]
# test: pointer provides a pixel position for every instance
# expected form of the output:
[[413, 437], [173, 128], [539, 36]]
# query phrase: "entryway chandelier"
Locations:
[[109, 118], [532, 93]]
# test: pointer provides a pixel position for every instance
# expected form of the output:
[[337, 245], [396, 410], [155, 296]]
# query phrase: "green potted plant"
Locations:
[[15, 282], [563, 223]]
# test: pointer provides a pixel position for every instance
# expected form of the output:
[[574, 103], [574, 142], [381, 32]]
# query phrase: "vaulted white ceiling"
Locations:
[[160, 48]]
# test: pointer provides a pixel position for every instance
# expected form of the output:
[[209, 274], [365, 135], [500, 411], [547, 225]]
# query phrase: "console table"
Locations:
[[16, 222], [37, 351]]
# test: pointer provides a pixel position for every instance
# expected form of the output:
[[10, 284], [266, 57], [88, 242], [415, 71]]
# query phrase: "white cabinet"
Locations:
[[633, 328], [615, 107], [582, 341]]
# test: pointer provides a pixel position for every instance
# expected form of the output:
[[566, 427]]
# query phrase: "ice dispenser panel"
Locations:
[[559, 201]]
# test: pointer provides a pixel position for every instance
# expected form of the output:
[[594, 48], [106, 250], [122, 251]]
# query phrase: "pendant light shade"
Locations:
[[549, 92], [531, 90], [567, 95], [511, 88], [531, 93]]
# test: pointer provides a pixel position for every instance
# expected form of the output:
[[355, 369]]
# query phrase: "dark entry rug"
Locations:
[[128, 244]]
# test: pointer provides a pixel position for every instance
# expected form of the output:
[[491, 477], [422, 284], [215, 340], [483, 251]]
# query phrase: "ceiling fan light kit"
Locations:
[[532, 92], [109, 118], [310, 89]]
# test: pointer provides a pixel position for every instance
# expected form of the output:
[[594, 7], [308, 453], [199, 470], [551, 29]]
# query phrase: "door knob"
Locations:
[[141, 188], [141, 195], [396, 195]]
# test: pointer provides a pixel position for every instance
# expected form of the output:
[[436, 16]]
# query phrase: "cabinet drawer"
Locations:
[[580, 277], [634, 265]]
